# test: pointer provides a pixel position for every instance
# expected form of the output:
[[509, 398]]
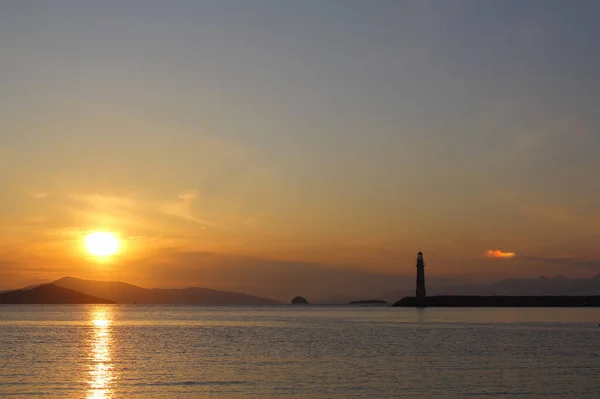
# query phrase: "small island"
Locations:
[[299, 301], [499, 301], [369, 302]]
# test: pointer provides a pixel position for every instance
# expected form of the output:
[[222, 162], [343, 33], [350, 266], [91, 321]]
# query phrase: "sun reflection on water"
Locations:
[[100, 368]]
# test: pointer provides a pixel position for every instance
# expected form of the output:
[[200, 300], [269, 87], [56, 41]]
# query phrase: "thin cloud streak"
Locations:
[[496, 253], [568, 261], [181, 208]]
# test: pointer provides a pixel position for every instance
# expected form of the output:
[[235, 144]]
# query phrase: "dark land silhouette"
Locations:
[[499, 301], [125, 293], [540, 286], [369, 302], [49, 294]]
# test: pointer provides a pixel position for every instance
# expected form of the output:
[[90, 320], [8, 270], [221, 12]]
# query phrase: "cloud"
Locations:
[[183, 207], [189, 195], [104, 201], [496, 253], [38, 195]]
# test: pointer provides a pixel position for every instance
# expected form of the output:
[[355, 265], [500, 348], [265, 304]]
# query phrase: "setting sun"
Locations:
[[102, 243]]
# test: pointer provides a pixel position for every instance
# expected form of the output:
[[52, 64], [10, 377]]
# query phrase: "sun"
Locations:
[[102, 243]]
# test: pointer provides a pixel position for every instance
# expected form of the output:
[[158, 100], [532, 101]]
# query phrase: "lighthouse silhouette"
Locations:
[[421, 294]]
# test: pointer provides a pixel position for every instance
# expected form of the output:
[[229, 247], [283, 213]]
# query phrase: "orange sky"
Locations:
[[238, 147]]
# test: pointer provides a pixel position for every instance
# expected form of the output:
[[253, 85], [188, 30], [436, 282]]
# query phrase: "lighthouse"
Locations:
[[420, 280]]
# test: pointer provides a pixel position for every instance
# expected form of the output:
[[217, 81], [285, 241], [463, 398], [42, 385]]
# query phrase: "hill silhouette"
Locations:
[[49, 294], [122, 292]]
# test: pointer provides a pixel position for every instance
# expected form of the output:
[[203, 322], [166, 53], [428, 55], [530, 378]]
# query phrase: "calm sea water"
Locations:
[[118, 351]]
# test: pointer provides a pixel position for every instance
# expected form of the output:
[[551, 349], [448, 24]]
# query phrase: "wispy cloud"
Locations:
[[496, 253], [183, 207], [101, 201], [189, 195], [38, 195]]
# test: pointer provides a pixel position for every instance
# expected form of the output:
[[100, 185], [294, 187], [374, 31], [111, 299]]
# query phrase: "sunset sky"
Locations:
[[236, 144]]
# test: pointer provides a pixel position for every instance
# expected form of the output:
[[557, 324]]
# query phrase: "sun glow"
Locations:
[[102, 243]]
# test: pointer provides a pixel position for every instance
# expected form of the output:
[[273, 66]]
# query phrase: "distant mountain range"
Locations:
[[75, 290], [121, 292], [49, 294]]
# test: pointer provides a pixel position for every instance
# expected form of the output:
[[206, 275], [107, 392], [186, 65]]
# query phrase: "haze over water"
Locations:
[[123, 351]]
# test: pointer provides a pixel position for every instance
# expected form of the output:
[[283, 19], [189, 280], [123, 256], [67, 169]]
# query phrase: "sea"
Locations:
[[134, 351]]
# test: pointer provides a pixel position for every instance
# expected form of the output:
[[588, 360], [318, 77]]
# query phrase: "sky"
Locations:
[[239, 144]]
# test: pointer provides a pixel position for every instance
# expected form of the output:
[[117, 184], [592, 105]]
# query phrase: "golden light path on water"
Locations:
[[100, 369]]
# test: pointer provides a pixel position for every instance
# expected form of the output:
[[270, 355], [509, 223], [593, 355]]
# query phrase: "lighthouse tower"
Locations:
[[420, 279]]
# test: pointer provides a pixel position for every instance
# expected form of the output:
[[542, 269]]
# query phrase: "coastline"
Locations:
[[499, 301]]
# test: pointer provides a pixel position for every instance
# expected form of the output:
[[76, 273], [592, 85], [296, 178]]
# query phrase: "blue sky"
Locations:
[[348, 133]]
